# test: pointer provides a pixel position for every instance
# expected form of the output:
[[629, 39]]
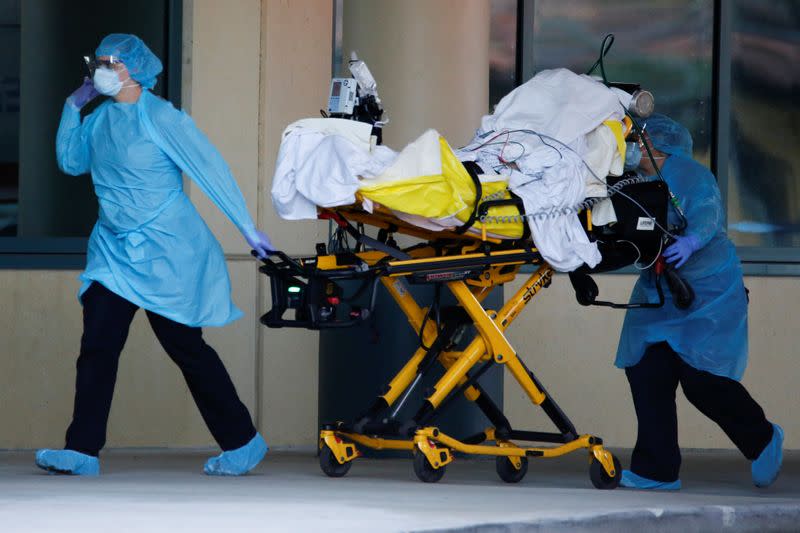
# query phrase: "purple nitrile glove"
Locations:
[[682, 249], [83, 94], [260, 243]]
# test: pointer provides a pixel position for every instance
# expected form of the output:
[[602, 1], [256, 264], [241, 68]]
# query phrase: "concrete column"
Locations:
[[430, 59], [296, 40], [221, 92]]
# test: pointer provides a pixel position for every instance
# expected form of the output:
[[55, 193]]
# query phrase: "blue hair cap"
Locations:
[[141, 62], [667, 135]]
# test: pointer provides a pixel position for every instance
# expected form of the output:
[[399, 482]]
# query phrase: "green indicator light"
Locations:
[[294, 289]]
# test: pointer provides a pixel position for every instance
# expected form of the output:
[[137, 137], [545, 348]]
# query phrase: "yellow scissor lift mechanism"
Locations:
[[470, 266]]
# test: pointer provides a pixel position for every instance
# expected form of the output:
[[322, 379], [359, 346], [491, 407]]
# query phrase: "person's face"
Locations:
[[115, 64], [647, 164]]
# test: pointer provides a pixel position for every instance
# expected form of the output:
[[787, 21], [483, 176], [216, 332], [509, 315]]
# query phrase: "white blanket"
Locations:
[[319, 163], [550, 191], [323, 162], [548, 136], [558, 103]]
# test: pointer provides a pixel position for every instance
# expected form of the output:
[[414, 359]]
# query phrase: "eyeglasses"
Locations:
[[112, 63], [638, 137]]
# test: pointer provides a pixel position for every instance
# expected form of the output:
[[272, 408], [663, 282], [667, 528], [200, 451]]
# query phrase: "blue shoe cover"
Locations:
[[239, 461], [68, 462], [766, 467], [632, 481]]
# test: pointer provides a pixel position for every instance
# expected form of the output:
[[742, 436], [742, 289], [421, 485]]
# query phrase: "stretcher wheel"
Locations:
[[600, 479], [425, 471], [329, 464], [507, 472]]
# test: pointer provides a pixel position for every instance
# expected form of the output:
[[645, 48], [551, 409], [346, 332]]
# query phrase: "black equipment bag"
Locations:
[[638, 234]]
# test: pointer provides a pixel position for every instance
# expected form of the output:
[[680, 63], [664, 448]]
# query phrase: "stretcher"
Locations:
[[470, 236], [469, 264]]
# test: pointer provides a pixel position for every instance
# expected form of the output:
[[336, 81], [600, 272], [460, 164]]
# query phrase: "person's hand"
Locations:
[[260, 243], [83, 94], [681, 250]]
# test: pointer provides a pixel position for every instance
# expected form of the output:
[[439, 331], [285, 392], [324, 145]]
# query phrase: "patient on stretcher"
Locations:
[[551, 143]]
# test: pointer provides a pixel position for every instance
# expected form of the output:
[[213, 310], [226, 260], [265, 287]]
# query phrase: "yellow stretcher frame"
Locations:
[[431, 448]]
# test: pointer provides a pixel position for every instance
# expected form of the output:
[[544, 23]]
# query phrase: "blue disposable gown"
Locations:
[[712, 334], [150, 244]]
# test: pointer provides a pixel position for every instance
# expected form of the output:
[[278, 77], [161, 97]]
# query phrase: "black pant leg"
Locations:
[[727, 402], [106, 321], [209, 382], [653, 382]]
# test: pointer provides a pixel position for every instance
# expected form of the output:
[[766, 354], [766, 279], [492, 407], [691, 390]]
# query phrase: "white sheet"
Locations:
[[322, 162], [556, 185], [319, 162], [558, 103], [421, 157], [562, 114]]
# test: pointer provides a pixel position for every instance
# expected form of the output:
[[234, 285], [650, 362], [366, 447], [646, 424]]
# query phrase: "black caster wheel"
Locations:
[[600, 479], [425, 471], [329, 464], [507, 472]]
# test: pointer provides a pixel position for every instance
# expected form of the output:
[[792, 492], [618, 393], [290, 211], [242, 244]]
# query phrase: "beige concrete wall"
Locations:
[[41, 318], [296, 42], [221, 51], [430, 59], [247, 75], [572, 349], [427, 78], [41, 330]]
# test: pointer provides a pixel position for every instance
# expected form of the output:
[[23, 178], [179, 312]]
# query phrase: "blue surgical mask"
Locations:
[[633, 156], [107, 81]]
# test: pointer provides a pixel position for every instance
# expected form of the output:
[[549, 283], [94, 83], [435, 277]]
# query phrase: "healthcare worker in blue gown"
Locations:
[[704, 348], [150, 249]]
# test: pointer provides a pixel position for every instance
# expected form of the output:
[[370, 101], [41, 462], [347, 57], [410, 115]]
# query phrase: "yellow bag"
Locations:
[[448, 194], [432, 196]]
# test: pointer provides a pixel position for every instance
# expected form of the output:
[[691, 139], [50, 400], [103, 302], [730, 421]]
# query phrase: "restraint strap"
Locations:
[[364, 239], [473, 170]]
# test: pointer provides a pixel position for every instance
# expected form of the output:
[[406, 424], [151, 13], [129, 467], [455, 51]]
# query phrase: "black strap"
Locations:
[[473, 170], [372, 243], [526, 228], [385, 248]]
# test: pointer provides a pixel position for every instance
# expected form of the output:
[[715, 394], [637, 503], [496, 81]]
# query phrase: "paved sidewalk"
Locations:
[[166, 491]]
